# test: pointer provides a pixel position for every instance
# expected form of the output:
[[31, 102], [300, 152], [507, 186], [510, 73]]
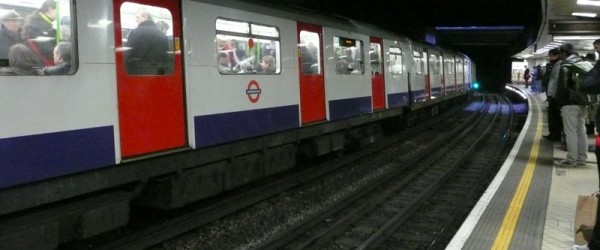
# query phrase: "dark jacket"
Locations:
[[8, 39], [566, 89], [548, 73], [146, 44], [37, 26], [60, 69]]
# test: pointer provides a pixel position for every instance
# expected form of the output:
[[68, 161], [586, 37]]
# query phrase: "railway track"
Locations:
[[374, 216], [200, 226]]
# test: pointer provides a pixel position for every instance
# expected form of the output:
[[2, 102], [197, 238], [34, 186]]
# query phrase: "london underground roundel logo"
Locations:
[[253, 91]]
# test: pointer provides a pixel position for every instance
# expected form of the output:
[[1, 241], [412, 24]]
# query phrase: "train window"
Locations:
[[147, 39], [247, 48], [435, 64], [375, 56], [395, 61], [419, 62], [38, 38], [309, 53], [449, 66], [459, 68], [348, 56]]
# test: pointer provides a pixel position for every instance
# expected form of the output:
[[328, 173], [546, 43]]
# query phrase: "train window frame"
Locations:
[[419, 63], [143, 65], [449, 66], [259, 42], [395, 56], [343, 45], [309, 53], [65, 39], [435, 63], [375, 59]]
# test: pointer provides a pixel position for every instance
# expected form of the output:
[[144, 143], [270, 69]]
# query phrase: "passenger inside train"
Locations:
[[10, 31], [46, 23], [247, 44], [39, 31], [21, 61], [147, 47], [62, 60]]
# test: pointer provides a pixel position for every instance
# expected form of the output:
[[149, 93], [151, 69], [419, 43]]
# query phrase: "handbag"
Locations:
[[585, 217], [590, 83]]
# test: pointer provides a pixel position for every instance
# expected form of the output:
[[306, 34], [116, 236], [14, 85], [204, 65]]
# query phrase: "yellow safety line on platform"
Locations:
[[513, 213]]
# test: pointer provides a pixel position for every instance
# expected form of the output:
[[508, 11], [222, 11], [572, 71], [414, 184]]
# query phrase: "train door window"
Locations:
[[39, 39], [419, 62], [247, 48], [459, 68], [449, 66], [395, 61], [309, 53], [348, 56], [375, 56], [435, 64], [147, 39]]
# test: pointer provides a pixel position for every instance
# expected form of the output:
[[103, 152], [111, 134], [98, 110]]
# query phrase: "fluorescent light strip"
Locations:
[[584, 14], [565, 38], [588, 2]]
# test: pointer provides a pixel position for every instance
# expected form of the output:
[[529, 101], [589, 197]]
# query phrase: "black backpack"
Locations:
[[579, 70]]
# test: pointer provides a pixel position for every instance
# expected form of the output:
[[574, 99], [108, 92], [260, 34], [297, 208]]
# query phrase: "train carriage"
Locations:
[[238, 92]]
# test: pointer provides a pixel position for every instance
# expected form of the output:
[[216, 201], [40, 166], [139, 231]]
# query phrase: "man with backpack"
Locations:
[[572, 102], [594, 242]]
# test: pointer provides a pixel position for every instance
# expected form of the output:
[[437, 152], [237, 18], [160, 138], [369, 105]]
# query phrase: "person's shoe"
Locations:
[[565, 163], [552, 137], [580, 247]]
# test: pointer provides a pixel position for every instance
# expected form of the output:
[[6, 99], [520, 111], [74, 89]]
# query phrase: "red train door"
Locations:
[[377, 79], [149, 76], [312, 86], [426, 75]]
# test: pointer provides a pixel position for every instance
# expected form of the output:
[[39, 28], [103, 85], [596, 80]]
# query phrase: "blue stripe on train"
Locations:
[[221, 128], [344, 108], [36, 157], [398, 100]]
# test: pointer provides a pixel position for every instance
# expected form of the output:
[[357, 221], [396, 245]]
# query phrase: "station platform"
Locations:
[[531, 202]]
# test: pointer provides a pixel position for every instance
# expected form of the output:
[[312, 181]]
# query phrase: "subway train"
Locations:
[[236, 92]]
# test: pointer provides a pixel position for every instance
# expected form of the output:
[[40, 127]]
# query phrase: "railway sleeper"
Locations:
[[48, 227]]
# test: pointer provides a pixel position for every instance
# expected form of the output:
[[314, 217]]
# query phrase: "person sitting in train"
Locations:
[[147, 46], [21, 61], [224, 45], [39, 31], [9, 32], [62, 60], [268, 64], [224, 63]]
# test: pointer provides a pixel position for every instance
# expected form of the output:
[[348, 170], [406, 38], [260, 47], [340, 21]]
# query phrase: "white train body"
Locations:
[[101, 115]]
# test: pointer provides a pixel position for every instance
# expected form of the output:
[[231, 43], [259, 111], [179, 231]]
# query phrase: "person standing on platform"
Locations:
[[594, 243], [554, 120], [572, 105], [536, 82], [526, 77]]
